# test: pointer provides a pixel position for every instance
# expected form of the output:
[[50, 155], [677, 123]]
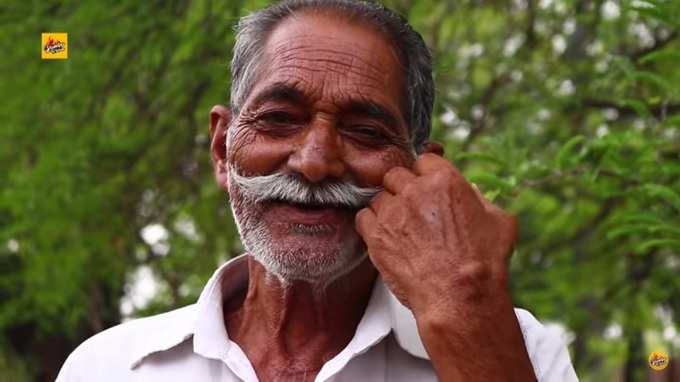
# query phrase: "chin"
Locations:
[[302, 255], [315, 247]]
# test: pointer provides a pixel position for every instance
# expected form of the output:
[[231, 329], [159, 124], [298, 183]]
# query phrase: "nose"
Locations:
[[320, 155]]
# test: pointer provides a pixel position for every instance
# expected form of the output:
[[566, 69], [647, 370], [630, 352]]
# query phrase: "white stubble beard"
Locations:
[[292, 262]]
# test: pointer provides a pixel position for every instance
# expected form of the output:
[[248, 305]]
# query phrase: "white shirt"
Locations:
[[191, 344]]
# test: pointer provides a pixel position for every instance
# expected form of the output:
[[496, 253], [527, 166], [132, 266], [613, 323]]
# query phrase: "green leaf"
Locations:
[[664, 192], [640, 107], [670, 243], [488, 180], [491, 195], [663, 55], [673, 121], [477, 156], [644, 228], [652, 79], [565, 155], [638, 216]]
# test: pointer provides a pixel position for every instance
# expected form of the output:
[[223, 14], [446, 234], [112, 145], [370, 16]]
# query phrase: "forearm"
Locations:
[[489, 347]]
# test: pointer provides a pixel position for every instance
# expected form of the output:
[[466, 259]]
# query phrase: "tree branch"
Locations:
[[659, 111], [484, 101], [530, 31]]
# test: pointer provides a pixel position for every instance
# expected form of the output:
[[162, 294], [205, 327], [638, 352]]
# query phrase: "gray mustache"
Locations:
[[292, 188]]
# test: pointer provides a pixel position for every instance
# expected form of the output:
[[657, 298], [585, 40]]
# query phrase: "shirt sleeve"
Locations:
[[547, 351], [68, 370], [84, 364]]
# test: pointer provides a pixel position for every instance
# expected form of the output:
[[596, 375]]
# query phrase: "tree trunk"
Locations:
[[636, 359]]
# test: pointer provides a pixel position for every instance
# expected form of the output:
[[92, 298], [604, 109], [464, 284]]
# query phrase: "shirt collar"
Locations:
[[210, 335], [204, 320]]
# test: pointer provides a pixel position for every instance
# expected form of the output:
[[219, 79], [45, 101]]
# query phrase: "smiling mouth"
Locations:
[[311, 213], [309, 206]]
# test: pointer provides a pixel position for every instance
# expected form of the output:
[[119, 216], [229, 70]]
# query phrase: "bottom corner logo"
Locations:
[[658, 360]]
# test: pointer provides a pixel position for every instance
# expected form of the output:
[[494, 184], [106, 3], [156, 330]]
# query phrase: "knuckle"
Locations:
[[393, 173], [447, 178], [375, 201], [378, 201], [361, 215], [460, 183], [435, 179], [445, 173], [475, 271], [430, 157], [410, 191]]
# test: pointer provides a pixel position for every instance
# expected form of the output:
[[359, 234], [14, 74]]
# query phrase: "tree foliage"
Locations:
[[565, 112]]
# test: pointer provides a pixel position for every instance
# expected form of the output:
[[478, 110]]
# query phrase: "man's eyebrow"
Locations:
[[373, 110], [279, 92]]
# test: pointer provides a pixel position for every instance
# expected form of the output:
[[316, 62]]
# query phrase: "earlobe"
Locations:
[[222, 175], [433, 148]]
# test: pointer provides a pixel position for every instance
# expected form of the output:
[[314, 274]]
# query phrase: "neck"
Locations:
[[303, 324]]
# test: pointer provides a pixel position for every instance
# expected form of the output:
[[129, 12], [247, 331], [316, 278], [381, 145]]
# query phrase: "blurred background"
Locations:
[[565, 112]]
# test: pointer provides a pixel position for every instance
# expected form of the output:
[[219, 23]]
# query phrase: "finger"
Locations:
[[479, 195], [398, 177], [430, 163], [470, 195], [476, 188], [379, 200], [485, 202], [512, 231], [364, 221]]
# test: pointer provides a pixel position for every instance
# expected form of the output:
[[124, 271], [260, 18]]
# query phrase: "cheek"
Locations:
[[255, 154], [370, 167]]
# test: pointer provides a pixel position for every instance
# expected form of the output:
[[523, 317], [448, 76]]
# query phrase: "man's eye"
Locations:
[[367, 135], [367, 132], [278, 123], [278, 117]]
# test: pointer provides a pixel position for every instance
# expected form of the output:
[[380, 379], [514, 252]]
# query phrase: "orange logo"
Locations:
[[658, 360], [54, 46]]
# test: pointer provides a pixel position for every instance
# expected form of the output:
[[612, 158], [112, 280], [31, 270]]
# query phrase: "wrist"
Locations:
[[463, 336]]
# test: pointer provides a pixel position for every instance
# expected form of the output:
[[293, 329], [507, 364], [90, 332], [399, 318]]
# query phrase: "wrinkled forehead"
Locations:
[[331, 57]]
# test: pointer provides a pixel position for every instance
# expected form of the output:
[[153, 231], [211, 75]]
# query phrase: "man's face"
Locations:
[[327, 111]]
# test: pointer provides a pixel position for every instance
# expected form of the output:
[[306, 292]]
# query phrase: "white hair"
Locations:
[[253, 30]]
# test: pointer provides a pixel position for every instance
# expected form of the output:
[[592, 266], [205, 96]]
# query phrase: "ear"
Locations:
[[220, 117], [433, 148]]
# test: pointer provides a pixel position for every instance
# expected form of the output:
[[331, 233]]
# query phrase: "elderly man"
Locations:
[[369, 256]]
